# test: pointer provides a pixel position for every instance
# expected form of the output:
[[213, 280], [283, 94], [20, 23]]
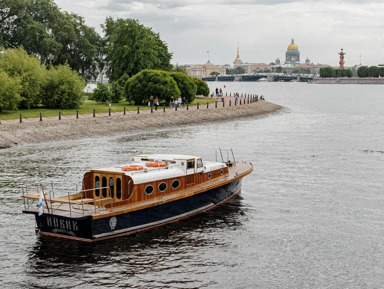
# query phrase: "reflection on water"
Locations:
[[154, 251]]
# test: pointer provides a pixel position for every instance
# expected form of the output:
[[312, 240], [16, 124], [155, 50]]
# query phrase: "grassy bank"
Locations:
[[85, 109]]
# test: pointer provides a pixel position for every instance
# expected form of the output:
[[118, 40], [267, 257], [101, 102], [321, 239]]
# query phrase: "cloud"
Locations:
[[263, 28]]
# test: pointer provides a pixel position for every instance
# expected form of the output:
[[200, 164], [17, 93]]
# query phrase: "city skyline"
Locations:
[[263, 28]]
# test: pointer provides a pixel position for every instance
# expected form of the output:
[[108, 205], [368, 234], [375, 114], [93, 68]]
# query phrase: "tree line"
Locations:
[[51, 42]]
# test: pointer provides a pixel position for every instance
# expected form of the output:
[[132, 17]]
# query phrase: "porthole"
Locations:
[[148, 189], [162, 187], [175, 184], [209, 176], [221, 171]]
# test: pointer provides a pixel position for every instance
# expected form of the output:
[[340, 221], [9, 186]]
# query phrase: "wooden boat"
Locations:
[[152, 191]]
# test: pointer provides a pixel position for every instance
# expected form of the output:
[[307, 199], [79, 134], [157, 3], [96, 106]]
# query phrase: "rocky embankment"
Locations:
[[29, 132]]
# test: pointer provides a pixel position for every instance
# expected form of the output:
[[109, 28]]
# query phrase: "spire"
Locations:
[[238, 54]]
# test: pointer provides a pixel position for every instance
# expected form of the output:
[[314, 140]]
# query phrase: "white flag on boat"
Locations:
[[41, 202]]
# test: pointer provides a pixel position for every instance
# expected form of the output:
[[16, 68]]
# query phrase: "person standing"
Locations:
[[156, 102], [150, 102], [171, 102]]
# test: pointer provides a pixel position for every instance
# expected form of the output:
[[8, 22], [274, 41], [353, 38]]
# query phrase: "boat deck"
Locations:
[[65, 207]]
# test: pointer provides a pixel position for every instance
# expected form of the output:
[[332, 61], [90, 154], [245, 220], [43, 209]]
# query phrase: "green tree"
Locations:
[[214, 73], [55, 37], [201, 87], [17, 63], [296, 71], [132, 47], [279, 69], [179, 68], [362, 71], [381, 71], [373, 71], [10, 88], [326, 72], [102, 93], [186, 85], [151, 82], [64, 88]]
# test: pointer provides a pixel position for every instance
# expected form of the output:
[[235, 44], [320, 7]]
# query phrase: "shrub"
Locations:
[[373, 71], [10, 88], [64, 88], [102, 93], [151, 82], [186, 85], [202, 87]]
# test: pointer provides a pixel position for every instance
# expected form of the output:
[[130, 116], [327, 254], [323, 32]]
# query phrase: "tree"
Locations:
[[17, 63], [102, 93], [64, 88], [179, 68], [362, 71], [326, 72], [186, 85], [373, 71], [151, 82], [55, 37], [131, 48], [279, 69], [10, 88], [381, 71], [214, 73], [201, 87], [296, 71]]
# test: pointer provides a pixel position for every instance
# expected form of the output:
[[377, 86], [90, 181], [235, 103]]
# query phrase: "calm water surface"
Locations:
[[311, 215]]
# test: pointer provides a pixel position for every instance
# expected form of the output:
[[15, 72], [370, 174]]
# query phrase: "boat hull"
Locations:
[[89, 229]]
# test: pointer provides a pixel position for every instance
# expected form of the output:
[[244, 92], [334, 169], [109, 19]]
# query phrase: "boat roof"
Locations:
[[167, 157]]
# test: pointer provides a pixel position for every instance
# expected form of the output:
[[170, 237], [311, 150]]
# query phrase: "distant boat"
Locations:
[[262, 79], [152, 191]]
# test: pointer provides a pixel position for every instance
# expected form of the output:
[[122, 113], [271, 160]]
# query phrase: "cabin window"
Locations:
[[162, 187], [148, 189], [104, 187], [199, 163], [190, 164], [209, 176], [221, 171], [97, 186], [118, 188], [111, 187], [175, 184]]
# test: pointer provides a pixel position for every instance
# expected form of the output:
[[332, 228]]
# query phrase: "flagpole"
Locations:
[[45, 198]]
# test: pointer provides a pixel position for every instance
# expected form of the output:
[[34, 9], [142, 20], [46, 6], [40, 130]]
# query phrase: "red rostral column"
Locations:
[[341, 62]]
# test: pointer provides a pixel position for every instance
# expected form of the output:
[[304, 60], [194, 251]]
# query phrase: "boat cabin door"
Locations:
[[190, 179]]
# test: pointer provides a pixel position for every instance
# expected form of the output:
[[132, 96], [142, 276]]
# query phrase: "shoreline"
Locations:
[[12, 134]]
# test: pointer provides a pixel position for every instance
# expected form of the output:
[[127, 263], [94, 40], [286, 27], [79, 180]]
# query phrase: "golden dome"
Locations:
[[293, 46]]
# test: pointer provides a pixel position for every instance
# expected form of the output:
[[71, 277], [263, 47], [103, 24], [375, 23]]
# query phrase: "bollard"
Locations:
[[248, 101], [138, 109], [77, 113], [216, 104], [94, 112], [187, 105], [207, 105], [230, 102], [109, 111], [125, 111], [163, 107], [230, 94], [176, 107], [257, 98], [151, 109], [41, 116], [223, 103], [21, 120], [197, 105], [59, 115], [226, 94]]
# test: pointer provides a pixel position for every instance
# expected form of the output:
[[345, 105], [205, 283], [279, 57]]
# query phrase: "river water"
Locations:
[[311, 215]]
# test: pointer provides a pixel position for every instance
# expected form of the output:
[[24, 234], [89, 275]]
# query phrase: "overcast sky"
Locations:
[[263, 28]]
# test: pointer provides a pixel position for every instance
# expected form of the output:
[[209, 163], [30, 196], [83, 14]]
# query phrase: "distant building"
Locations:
[[202, 70], [255, 67], [292, 56]]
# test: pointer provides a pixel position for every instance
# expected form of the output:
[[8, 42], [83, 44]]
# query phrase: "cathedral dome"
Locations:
[[293, 46]]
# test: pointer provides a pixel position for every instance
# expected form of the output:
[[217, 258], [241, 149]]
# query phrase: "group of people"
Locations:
[[180, 102]]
